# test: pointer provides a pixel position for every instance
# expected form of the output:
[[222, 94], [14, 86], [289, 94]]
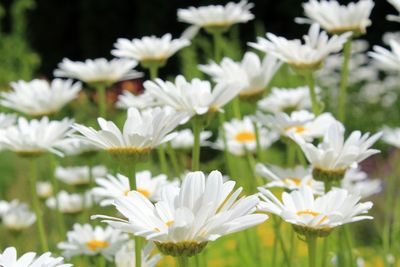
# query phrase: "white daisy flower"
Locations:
[[286, 100], [309, 55], [396, 5], [315, 215], [388, 60], [195, 97], [335, 155], [44, 189], [87, 240], [357, 182], [125, 257], [253, 74], [289, 178], [40, 97], [35, 137], [336, 18], [149, 49], [18, 217], [217, 17], [7, 120], [184, 139], [79, 175], [73, 146], [70, 203], [4, 206], [391, 136], [143, 101], [99, 70], [302, 123], [142, 131], [112, 187], [9, 259], [185, 219], [241, 137]]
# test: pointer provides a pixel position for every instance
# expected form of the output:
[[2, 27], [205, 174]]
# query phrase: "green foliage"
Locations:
[[17, 60]]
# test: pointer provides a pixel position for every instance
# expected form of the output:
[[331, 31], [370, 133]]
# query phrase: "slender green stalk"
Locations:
[[258, 144], [36, 207], [313, 95], [54, 183], [293, 248], [163, 159], [278, 241], [138, 253], [344, 79], [153, 72], [100, 261], [217, 36], [182, 261], [197, 260], [236, 108], [325, 250], [221, 118], [291, 153], [174, 159], [312, 249], [349, 244], [101, 99], [196, 144], [387, 224]]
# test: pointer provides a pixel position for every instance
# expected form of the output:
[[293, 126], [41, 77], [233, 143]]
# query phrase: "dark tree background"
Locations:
[[80, 29]]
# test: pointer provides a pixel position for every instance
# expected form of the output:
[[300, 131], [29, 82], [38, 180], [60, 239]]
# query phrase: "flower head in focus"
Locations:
[[185, 219], [8, 258], [98, 71], [40, 97], [313, 215], [88, 240]]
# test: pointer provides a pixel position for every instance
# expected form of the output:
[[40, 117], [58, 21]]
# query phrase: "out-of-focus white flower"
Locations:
[[44, 189], [70, 203], [286, 100], [391, 136], [112, 187], [389, 60], [142, 131], [35, 137], [336, 18], [149, 49], [396, 5], [4, 205], [73, 146], [315, 215], [125, 257], [357, 182], [309, 55], [195, 97], [99, 70], [87, 240], [302, 123], [241, 137], [18, 217], [79, 175], [7, 120], [253, 74], [184, 139], [128, 100], [185, 219], [335, 154], [8, 258], [289, 178], [40, 97], [217, 17], [387, 36]]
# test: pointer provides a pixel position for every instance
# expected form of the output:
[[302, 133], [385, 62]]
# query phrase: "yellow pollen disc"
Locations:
[[126, 192], [169, 223], [245, 136], [296, 181], [297, 129], [144, 192], [95, 244], [308, 212]]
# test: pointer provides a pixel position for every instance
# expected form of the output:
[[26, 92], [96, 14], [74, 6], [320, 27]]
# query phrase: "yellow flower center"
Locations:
[[294, 180], [245, 136], [312, 213], [297, 129], [96, 244], [144, 192], [169, 223]]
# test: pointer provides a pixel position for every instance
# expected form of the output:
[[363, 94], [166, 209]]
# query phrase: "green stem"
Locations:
[[101, 261], [291, 153], [182, 261], [278, 241], [174, 159], [36, 206], [236, 108], [312, 249], [325, 250], [153, 72], [311, 86], [102, 100], [349, 244], [196, 144], [138, 253], [163, 159], [221, 118], [217, 47], [258, 144], [293, 248], [252, 179], [344, 79]]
